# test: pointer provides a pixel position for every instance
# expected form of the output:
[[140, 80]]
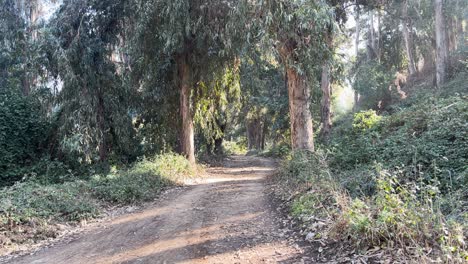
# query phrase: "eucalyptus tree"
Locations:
[[298, 31], [16, 34], [331, 66], [191, 39], [217, 106], [264, 99], [407, 27], [12, 41], [92, 107], [441, 42]]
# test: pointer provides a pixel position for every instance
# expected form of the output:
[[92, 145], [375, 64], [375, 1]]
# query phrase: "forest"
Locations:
[[233, 131]]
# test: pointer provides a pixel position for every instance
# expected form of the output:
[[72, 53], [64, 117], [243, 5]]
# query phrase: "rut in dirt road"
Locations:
[[227, 218]]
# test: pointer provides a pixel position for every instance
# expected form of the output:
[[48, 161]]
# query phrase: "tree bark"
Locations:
[[187, 134], [408, 37], [326, 102], [371, 52], [358, 32], [460, 31], [255, 128], [218, 142], [379, 36], [302, 137], [102, 129], [356, 52], [441, 43]]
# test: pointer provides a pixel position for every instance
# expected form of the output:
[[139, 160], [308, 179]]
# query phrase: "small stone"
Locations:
[[310, 236]]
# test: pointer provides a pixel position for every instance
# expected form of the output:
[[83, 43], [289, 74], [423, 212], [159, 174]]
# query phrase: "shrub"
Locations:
[[235, 148], [22, 130], [277, 151], [306, 180], [29, 210], [143, 181], [365, 120], [372, 81], [27, 202], [427, 139], [47, 171], [406, 215], [171, 166]]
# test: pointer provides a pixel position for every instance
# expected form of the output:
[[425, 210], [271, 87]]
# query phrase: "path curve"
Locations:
[[226, 218]]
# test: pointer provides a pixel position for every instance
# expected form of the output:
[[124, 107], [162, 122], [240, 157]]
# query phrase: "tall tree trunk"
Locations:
[[408, 37], [428, 58], [356, 52], [187, 134], [371, 52], [302, 136], [218, 142], [441, 43], [379, 36], [326, 102], [102, 129], [358, 31], [460, 31], [26, 83], [255, 128]]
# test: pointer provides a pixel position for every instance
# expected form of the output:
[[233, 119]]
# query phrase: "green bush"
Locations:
[[235, 148], [22, 130], [407, 215], [365, 120], [143, 181], [372, 80], [398, 214], [34, 206], [46, 171], [277, 151], [26, 202], [426, 139]]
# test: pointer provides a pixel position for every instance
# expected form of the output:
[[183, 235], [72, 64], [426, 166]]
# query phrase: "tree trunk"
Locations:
[[264, 133], [218, 146], [326, 102], [371, 38], [441, 44], [408, 37], [358, 32], [187, 134], [26, 83], [302, 136], [460, 31], [218, 142], [102, 129], [254, 129], [379, 36], [356, 52]]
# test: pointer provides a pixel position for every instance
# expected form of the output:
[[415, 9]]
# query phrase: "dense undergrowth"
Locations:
[[396, 181], [30, 209]]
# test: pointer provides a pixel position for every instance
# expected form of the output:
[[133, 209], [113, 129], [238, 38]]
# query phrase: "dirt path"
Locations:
[[227, 218]]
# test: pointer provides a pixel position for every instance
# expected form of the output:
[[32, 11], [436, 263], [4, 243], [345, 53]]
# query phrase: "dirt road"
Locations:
[[226, 218]]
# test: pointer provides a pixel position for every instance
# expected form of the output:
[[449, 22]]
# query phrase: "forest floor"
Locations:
[[228, 216]]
